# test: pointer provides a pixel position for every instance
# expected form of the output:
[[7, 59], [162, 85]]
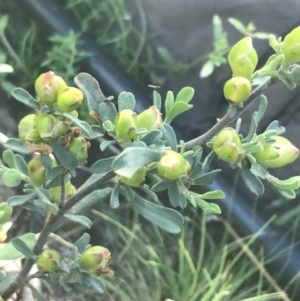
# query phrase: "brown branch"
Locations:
[[226, 119], [50, 225]]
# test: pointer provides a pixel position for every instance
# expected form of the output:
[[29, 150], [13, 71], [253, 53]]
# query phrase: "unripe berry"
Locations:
[[137, 179], [173, 165], [47, 86], [56, 192], [5, 212], [291, 46], [96, 260], [45, 124], [48, 261], [243, 58], [26, 129], [150, 119], [237, 90], [79, 148], [69, 99], [126, 124], [37, 171], [227, 145], [279, 153]]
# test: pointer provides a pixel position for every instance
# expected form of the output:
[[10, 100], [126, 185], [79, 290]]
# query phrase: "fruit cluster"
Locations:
[[128, 124], [242, 60], [95, 260], [277, 152]]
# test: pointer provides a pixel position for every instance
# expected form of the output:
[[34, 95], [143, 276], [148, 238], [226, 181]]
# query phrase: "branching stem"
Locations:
[[226, 119], [49, 227]]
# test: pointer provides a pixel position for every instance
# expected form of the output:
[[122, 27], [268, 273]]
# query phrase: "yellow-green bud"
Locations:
[[5, 212], [26, 129], [279, 153], [228, 146], [150, 119], [37, 171], [126, 124], [48, 261], [47, 86], [137, 179], [173, 165], [237, 90], [56, 192], [243, 58], [69, 99], [79, 148], [45, 124], [96, 260], [291, 46]]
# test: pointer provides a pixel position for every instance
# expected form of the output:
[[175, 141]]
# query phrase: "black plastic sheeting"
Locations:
[[51, 16]]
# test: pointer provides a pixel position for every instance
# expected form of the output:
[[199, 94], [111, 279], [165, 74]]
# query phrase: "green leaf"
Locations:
[[17, 145], [275, 125], [97, 284], [207, 178], [63, 155], [207, 207], [186, 94], [157, 100], [19, 200], [92, 199], [207, 69], [102, 165], [178, 108], [173, 194], [7, 280], [292, 183], [133, 158], [92, 91], [11, 178], [114, 197], [212, 195], [105, 144], [238, 25], [97, 131], [262, 108], [253, 183], [182, 201], [126, 100], [82, 242], [107, 111], [288, 194], [24, 97], [197, 170], [209, 158], [167, 219], [21, 165], [9, 158], [9, 252], [152, 137], [170, 136], [21, 246], [83, 125], [169, 103], [253, 127], [161, 186], [80, 219]]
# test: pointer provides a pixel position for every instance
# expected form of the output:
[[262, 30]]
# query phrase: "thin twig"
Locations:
[[49, 227], [63, 190], [226, 119]]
